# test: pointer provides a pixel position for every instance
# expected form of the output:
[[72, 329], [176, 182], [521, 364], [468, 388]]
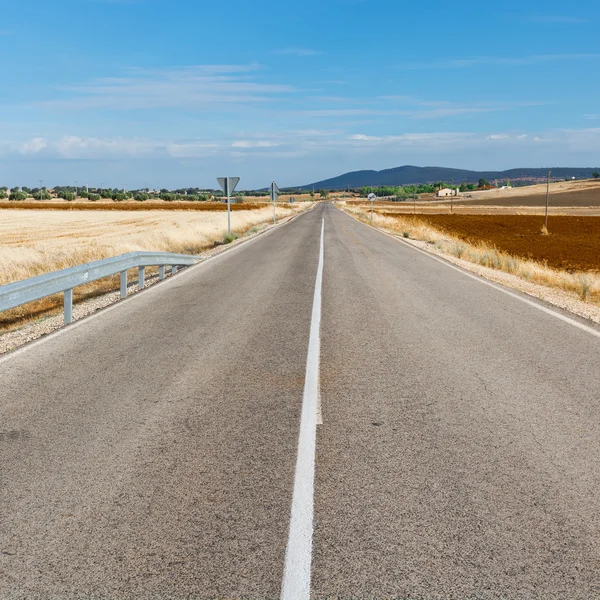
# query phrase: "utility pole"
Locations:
[[547, 201]]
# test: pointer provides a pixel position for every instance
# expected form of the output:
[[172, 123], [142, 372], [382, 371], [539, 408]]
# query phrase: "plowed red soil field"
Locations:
[[585, 197], [573, 242]]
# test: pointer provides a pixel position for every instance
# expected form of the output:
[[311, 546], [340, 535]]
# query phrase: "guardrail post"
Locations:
[[141, 271], [173, 269], [68, 306], [123, 284], [161, 273]]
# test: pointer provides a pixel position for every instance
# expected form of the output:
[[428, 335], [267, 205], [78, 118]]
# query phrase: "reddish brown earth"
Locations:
[[584, 197], [573, 243]]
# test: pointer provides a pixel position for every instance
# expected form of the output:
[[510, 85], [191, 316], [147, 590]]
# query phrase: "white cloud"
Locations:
[[199, 87], [32, 146], [297, 52], [255, 144], [556, 19], [459, 63]]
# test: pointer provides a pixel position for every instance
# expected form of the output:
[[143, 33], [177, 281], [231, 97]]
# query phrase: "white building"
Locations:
[[446, 193]]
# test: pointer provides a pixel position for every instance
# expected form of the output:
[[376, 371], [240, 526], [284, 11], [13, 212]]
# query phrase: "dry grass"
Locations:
[[34, 242], [586, 285]]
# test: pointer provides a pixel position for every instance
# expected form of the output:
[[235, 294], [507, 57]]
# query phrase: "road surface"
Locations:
[[151, 451]]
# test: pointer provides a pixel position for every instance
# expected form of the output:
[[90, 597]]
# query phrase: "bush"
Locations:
[[68, 196], [229, 237], [94, 197], [119, 196], [238, 199], [106, 193], [168, 196], [41, 195], [3, 195], [18, 195], [141, 197]]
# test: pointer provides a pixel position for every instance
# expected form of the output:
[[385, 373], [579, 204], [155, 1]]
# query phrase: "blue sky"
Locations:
[[175, 93]]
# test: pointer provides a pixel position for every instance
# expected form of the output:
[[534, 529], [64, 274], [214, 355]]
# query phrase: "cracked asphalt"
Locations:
[[149, 451]]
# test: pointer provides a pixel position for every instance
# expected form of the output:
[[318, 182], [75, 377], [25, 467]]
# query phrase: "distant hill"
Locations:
[[409, 174]]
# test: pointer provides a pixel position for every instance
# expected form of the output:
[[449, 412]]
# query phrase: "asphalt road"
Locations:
[[150, 451]]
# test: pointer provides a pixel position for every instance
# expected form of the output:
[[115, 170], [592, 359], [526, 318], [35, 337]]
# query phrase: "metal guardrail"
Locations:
[[35, 288]]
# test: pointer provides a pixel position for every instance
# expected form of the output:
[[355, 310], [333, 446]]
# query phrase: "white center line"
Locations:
[[298, 556]]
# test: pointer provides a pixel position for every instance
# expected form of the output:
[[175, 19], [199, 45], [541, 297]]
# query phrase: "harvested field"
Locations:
[[573, 243]]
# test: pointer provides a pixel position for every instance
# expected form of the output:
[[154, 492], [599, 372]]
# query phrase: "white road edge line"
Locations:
[[491, 284], [298, 556]]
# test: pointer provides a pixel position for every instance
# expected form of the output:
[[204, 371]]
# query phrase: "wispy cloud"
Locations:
[[460, 63], [194, 87], [297, 52], [556, 19], [298, 143]]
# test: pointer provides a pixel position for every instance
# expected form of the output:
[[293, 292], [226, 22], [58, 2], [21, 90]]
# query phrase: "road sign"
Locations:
[[372, 197], [274, 194], [228, 184]]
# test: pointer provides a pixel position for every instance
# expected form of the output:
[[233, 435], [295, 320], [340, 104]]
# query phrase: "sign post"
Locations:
[[274, 194], [228, 185], [372, 197]]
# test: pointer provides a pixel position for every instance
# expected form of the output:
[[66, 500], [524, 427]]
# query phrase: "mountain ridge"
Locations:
[[410, 174]]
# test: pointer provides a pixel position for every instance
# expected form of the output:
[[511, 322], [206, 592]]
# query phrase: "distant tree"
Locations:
[[68, 196], [119, 196], [312, 194], [141, 196], [323, 193], [4, 188], [15, 189], [483, 183], [93, 197], [18, 195], [106, 193], [41, 195], [595, 175], [3, 194], [27, 190]]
